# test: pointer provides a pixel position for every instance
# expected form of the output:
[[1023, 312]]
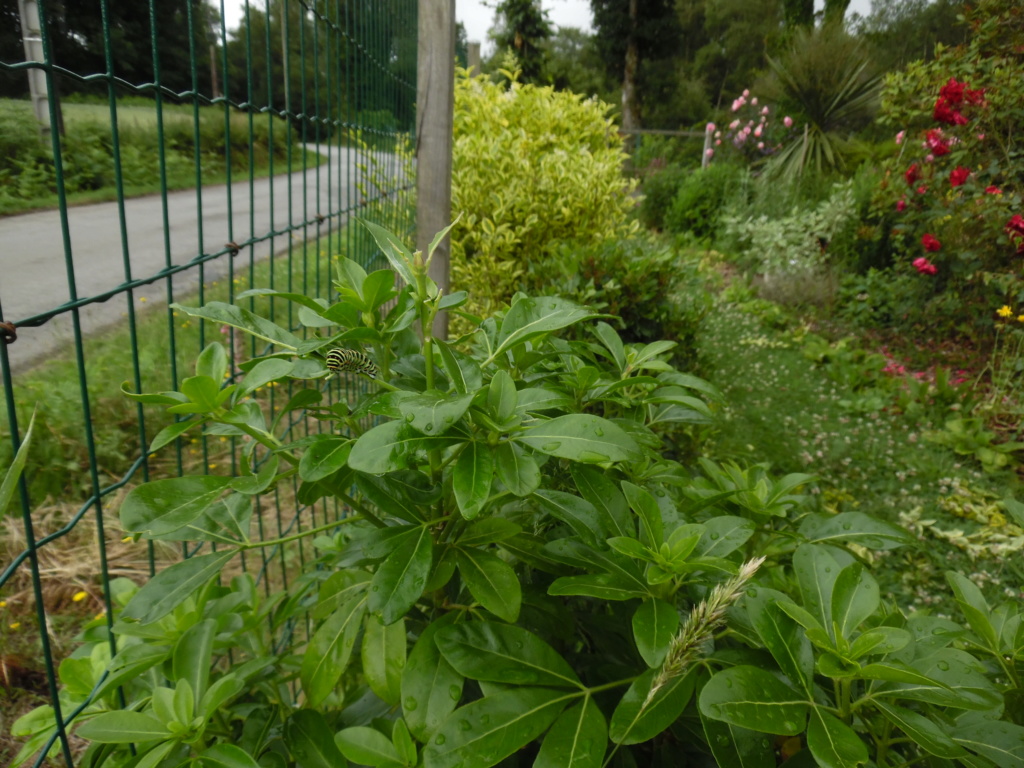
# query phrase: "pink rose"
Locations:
[[710, 128], [710, 153], [899, 137], [787, 121]]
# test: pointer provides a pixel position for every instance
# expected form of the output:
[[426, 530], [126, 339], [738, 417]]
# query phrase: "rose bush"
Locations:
[[960, 196]]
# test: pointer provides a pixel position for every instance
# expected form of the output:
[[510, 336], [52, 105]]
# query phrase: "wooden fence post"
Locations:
[[435, 105]]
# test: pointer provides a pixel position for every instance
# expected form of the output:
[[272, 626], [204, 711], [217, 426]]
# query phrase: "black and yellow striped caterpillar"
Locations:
[[349, 360]]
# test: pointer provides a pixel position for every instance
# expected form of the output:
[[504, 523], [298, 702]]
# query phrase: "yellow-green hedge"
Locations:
[[531, 166]]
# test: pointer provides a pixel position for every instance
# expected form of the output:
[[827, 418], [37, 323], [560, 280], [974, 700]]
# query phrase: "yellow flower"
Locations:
[[3, 603], [1020, 318], [1004, 311], [80, 596], [14, 624], [143, 299], [127, 539]]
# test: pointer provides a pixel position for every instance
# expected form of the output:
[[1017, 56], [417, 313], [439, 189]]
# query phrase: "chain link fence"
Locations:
[[232, 146]]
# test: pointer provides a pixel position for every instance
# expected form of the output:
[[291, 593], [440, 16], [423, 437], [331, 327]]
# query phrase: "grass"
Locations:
[[865, 434], [28, 181]]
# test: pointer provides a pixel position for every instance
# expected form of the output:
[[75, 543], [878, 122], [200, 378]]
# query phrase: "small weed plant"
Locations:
[[524, 578]]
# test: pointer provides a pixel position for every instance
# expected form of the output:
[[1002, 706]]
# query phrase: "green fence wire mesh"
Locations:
[[278, 121]]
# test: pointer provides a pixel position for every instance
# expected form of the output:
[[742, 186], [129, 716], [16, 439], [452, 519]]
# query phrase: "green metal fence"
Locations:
[[317, 96]]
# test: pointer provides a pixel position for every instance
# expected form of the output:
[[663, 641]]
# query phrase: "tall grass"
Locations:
[[28, 177]]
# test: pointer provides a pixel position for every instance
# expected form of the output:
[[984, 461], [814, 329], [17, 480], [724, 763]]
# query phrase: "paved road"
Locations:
[[34, 280]]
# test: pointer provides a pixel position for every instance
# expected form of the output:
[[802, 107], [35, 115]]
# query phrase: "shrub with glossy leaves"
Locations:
[[530, 166]]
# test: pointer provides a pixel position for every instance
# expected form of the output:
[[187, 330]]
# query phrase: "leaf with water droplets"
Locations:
[[833, 743], [738, 747], [654, 624], [472, 477], [636, 719], [328, 653], [578, 739], [754, 698], [581, 437], [431, 688], [433, 413], [490, 729], [856, 527], [854, 598], [383, 656], [399, 581], [491, 581]]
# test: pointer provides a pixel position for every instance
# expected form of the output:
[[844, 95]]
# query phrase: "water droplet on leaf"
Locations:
[[410, 704]]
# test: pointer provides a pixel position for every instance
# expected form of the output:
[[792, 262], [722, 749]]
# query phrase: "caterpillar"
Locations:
[[349, 360]]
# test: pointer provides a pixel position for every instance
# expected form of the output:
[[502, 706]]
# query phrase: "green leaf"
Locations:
[[227, 756], [856, 527], [879, 640], [487, 531], [339, 588], [385, 447], [403, 743], [308, 737], [168, 434], [172, 586], [723, 535], [854, 598], [472, 478], [516, 469], [463, 371], [785, 640], [431, 688], [243, 319], [502, 397], [648, 512], [529, 318], [378, 288], [164, 506], [212, 362], [754, 698], [394, 250], [492, 582], [433, 413], [999, 741], [10, 481], [606, 497], [484, 650], [578, 739], [538, 400], [833, 743], [612, 342], [604, 586], [924, 732], [490, 729], [366, 746], [264, 372], [328, 653], [581, 437], [383, 657], [251, 485], [324, 456], [577, 513], [192, 657], [737, 747], [218, 694], [387, 494], [974, 607], [636, 719], [399, 581], [816, 572], [123, 727], [654, 625]]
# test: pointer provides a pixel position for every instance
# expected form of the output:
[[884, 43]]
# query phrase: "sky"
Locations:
[[478, 15]]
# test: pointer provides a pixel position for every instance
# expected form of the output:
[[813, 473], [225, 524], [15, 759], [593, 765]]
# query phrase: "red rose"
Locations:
[[912, 175], [958, 176], [930, 243], [976, 96], [993, 190], [1015, 226], [922, 189], [901, 205], [936, 143], [924, 266], [953, 92], [944, 113]]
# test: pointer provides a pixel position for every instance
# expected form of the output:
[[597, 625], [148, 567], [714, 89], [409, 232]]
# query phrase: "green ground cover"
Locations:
[[870, 430]]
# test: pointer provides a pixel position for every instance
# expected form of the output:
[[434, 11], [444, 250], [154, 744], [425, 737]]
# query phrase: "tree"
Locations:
[[632, 34], [574, 64], [901, 31], [523, 26]]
